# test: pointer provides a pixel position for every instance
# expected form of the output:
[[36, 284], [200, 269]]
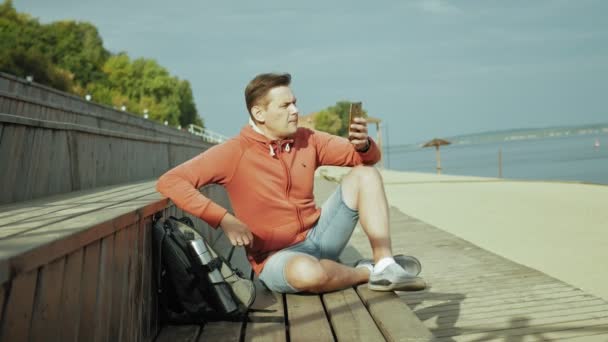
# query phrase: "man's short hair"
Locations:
[[258, 88]]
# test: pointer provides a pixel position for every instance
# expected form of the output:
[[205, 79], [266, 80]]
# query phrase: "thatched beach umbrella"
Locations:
[[437, 142]]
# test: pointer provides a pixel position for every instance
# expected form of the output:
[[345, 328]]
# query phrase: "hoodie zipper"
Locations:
[[288, 188]]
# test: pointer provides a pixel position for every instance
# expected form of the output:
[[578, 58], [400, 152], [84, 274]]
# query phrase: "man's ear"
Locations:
[[258, 113]]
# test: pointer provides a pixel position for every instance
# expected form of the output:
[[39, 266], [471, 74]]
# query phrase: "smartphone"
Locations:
[[356, 111]]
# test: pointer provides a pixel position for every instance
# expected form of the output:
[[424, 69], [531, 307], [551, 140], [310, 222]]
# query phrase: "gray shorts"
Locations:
[[325, 240]]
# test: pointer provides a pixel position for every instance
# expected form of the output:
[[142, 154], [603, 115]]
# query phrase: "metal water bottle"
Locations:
[[218, 284]]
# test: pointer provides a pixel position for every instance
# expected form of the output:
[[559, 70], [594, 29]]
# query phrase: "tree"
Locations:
[[70, 56], [187, 106], [328, 121], [339, 111], [76, 47]]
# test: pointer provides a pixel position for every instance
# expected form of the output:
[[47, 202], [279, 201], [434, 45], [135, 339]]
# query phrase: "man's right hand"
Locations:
[[236, 231]]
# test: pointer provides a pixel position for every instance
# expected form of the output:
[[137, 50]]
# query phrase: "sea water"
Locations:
[[572, 158]]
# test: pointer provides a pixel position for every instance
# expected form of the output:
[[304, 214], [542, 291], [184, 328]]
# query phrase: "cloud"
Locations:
[[437, 7]]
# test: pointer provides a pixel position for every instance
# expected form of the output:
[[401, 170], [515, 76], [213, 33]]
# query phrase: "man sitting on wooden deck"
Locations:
[[268, 172]]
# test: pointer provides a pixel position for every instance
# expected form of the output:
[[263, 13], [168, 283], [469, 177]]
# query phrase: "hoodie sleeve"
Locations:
[[214, 166], [338, 151]]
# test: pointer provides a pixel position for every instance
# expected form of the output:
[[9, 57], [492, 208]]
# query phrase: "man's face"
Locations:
[[280, 116]]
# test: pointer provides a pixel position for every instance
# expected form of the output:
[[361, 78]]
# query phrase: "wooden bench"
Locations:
[[78, 267]]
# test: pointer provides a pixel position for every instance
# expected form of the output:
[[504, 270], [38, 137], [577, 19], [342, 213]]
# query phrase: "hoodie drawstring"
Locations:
[[274, 145]]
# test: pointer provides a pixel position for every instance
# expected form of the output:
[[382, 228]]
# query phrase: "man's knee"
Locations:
[[305, 273], [362, 174], [359, 176]]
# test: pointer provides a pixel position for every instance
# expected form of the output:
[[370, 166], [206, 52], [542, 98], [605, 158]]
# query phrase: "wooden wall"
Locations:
[[45, 150], [101, 290], [21, 98]]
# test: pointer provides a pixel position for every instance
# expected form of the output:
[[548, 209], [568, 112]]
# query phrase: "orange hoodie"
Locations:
[[270, 184]]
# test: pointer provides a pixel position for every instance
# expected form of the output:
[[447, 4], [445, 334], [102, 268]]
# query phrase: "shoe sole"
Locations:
[[412, 284]]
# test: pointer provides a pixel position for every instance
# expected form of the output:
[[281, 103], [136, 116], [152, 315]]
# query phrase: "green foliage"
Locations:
[[328, 121], [70, 56], [334, 119]]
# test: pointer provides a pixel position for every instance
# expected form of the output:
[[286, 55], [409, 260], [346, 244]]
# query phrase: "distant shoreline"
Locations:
[[514, 135]]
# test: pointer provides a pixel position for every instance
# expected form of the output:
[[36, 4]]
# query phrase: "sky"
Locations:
[[426, 68]]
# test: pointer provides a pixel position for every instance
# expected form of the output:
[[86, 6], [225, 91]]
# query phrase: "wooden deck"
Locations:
[[353, 314], [476, 295], [348, 315], [47, 245]]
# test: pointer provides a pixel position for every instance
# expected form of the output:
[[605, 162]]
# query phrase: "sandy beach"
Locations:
[[558, 228]]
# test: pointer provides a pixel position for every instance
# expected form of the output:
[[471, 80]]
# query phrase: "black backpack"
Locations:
[[185, 293]]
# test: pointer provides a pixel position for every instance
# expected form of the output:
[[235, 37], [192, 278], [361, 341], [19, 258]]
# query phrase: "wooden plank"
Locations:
[[21, 109], [307, 319], [46, 316], [531, 291], [541, 304], [2, 300], [131, 301], [507, 286], [119, 283], [26, 217], [15, 212], [11, 148], [84, 167], [221, 331], [532, 312], [489, 273], [104, 298], [4, 104], [61, 157], [70, 297], [5, 272], [147, 320], [490, 304], [396, 321], [12, 108], [41, 171], [349, 317], [174, 333], [73, 154], [587, 334], [267, 325], [33, 249], [136, 284], [23, 163], [90, 281], [545, 332], [527, 319], [18, 311]]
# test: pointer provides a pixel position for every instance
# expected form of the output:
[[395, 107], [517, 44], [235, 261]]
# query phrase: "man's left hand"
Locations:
[[357, 134]]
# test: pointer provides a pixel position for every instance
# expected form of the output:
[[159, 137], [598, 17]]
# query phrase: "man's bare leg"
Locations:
[[308, 274], [363, 190]]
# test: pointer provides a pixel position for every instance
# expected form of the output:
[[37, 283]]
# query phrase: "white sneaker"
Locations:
[[410, 264], [395, 278]]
